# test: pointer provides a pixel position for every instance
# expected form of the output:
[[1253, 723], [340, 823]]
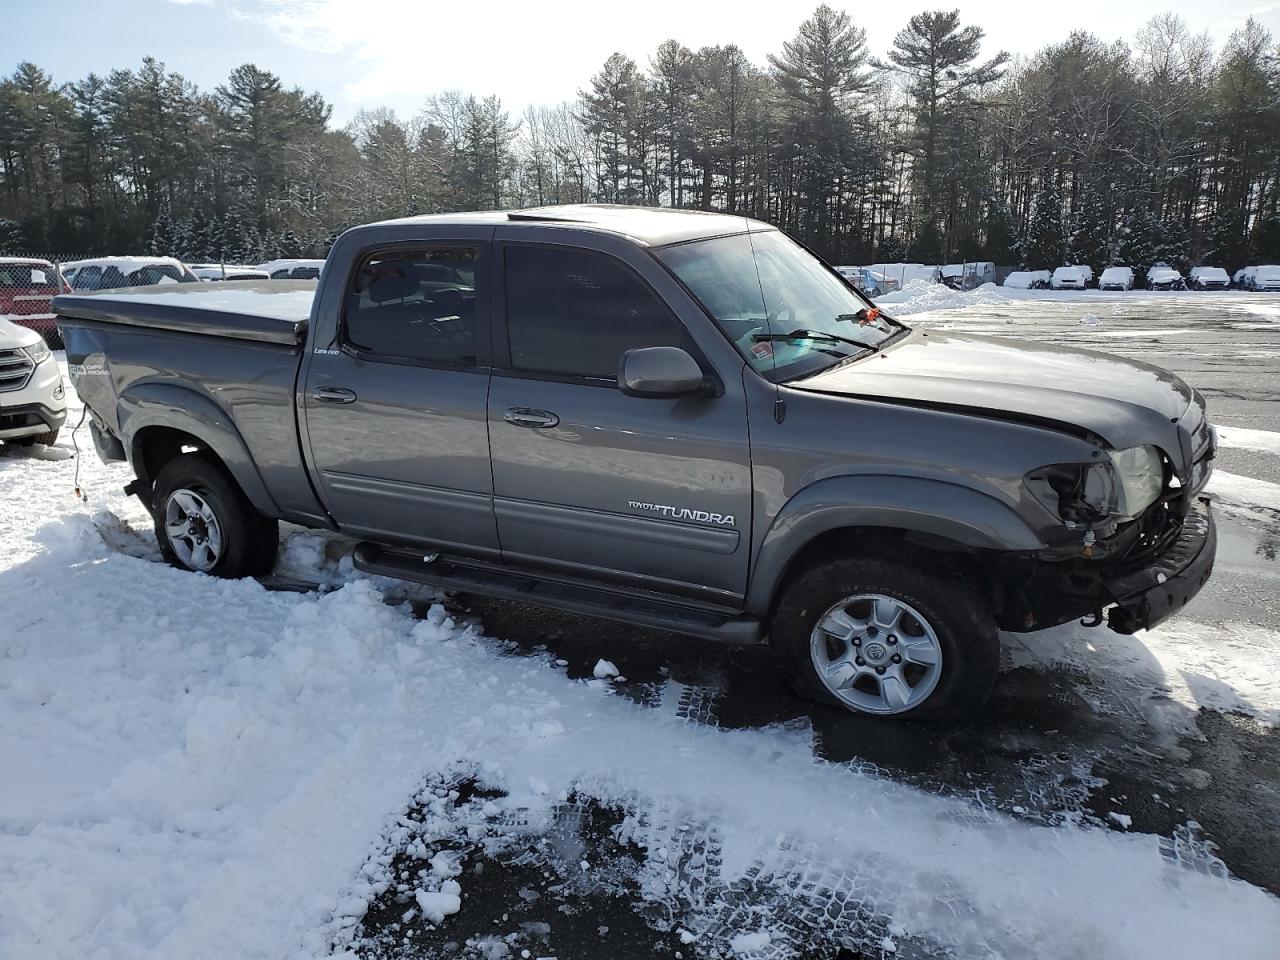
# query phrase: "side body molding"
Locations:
[[191, 411], [957, 513]]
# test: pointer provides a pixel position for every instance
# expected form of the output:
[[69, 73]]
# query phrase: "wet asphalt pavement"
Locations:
[[1042, 750]]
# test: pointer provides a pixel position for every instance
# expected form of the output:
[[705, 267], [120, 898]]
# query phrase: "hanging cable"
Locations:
[[84, 412]]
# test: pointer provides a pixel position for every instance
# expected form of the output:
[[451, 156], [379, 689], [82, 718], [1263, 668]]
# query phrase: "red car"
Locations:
[[27, 288]]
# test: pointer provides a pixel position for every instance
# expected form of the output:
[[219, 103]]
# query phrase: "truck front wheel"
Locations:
[[881, 637], [205, 523]]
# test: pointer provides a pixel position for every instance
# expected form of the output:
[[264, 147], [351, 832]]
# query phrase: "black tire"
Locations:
[[48, 439], [959, 613], [250, 540]]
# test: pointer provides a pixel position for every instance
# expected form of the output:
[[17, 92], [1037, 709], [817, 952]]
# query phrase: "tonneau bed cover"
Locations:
[[269, 311]]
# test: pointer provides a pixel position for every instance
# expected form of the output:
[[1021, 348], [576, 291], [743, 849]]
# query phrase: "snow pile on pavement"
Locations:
[[1262, 441], [204, 769], [920, 296], [1245, 491]]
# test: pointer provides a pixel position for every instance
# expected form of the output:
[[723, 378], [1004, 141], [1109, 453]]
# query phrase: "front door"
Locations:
[[650, 492], [395, 410]]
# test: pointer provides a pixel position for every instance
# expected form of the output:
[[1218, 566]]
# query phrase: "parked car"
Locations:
[[292, 269], [904, 273], [1165, 278], [214, 272], [1116, 278], [1086, 271], [967, 276], [1241, 278], [1265, 279], [33, 403], [110, 273], [1067, 278], [868, 281], [27, 288], [1208, 278], [1028, 280], [674, 419]]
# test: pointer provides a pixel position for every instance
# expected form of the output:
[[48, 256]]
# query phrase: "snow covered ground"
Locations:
[[199, 768]]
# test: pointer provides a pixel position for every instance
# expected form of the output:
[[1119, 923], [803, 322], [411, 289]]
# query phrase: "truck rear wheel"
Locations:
[[205, 523], [881, 637]]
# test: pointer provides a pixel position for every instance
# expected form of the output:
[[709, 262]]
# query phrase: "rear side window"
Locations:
[[304, 273], [574, 312], [416, 304]]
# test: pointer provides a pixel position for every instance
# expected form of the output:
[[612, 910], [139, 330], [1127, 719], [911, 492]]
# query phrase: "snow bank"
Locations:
[[1243, 438], [1244, 491], [919, 296]]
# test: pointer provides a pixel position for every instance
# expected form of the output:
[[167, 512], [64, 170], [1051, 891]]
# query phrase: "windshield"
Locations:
[[758, 287]]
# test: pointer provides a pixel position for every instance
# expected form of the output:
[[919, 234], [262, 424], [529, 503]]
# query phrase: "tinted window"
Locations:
[[305, 273], [574, 312], [88, 278], [415, 305]]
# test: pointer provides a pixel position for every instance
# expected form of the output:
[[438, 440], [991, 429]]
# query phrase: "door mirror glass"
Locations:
[[660, 372]]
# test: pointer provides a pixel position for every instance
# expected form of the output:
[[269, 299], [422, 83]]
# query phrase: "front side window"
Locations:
[[23, 277], [575, 313], [415, 304], [787, 314], [87, 278]]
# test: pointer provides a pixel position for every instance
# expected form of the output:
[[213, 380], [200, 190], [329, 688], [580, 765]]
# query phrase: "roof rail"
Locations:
[[536, 216]]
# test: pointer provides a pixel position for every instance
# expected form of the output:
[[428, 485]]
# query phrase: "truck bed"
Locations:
[[268, 311], [222, 357]]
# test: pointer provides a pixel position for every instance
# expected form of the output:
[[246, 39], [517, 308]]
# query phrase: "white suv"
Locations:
[[33, 401]]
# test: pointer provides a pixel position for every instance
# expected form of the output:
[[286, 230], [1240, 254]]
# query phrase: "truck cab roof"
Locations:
[[648, 226]]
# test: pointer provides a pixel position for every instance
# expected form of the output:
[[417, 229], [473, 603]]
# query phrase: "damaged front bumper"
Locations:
[[1132, 596], [1151, 595]]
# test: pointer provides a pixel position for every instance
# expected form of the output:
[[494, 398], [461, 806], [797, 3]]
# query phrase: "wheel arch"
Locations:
[[160, 421], [892, 516]]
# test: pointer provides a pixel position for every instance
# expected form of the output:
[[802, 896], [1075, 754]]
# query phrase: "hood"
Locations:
[[1122, 402], [12, 336]]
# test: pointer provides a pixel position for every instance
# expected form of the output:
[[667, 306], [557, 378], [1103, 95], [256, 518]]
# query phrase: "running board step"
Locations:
[[677, 614]]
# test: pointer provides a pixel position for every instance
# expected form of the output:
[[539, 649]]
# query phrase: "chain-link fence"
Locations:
[[29, 280], [28, 283]]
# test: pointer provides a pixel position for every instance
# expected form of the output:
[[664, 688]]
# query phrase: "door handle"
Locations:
[[524, 417], [334, 394]]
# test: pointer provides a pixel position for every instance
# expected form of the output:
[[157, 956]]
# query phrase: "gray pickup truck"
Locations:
[[676, 419]]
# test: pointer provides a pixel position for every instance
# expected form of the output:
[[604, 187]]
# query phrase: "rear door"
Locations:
[[649, 492], [395, 401]]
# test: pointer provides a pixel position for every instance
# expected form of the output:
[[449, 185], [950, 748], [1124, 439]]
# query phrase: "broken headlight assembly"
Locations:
[[1120, 485]]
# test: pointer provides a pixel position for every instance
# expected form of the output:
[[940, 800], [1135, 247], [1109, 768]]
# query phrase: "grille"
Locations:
[[15, 370]]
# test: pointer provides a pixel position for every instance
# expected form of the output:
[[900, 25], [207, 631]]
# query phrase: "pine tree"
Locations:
[[1140, 241], [1089, 241], [161, 242], [1043, 243]]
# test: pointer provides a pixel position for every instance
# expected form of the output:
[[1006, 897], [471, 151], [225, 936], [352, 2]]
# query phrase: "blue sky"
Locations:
[[369, 53]]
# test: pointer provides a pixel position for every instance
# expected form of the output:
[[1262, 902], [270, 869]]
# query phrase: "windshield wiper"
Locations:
[[803, 334]]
